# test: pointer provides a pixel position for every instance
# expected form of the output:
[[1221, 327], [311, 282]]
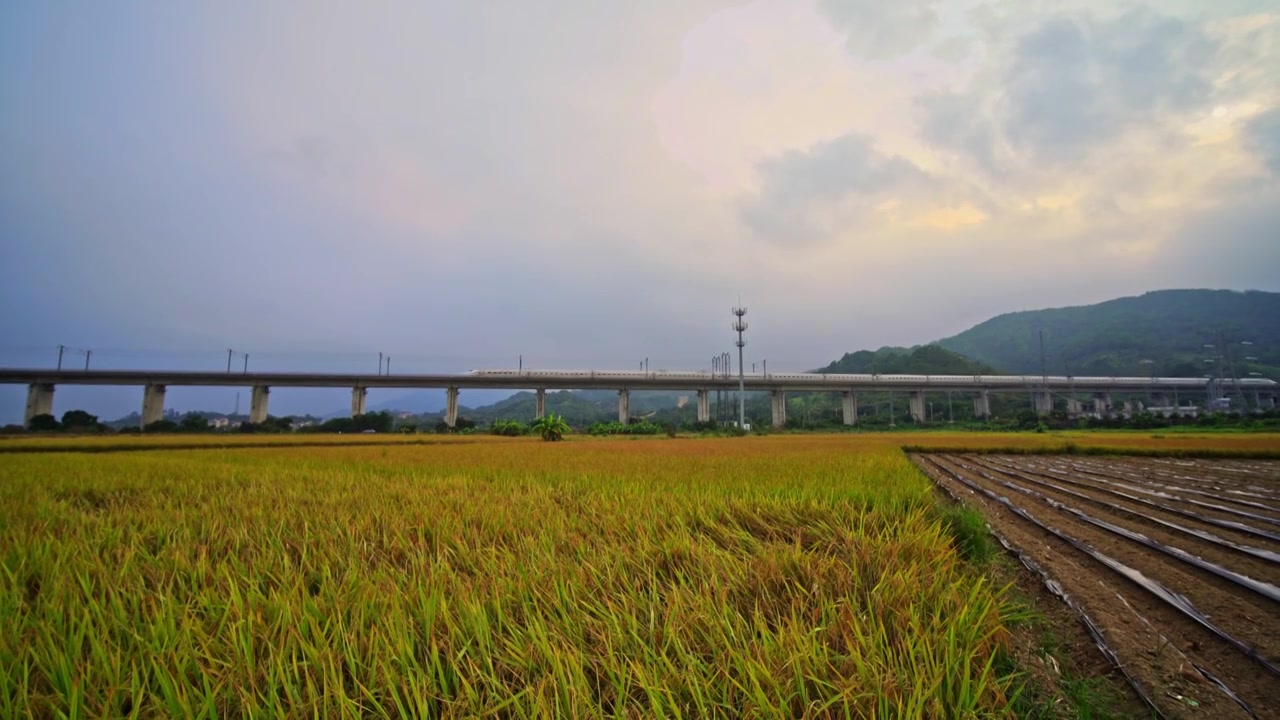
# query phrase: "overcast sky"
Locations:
[[591, 183]]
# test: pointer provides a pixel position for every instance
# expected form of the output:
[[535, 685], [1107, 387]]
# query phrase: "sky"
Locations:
[[585, 184]]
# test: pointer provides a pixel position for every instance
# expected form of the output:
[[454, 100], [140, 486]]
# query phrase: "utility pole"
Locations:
[[740, 325], [522, 363], [379, 363], [87, 354], [60, 349], [229, 353], [388, 364], [246, 363]]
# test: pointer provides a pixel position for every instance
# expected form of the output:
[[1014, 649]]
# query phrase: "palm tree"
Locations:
[[551, 427]]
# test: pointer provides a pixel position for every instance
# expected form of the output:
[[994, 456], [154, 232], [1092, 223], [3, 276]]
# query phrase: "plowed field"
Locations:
[[1176, 563]]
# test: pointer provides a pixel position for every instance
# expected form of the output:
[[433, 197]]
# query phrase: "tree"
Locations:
[[551, 427], [162, 426], [381, 422], [193, 422], [79, 420], [44, 423]]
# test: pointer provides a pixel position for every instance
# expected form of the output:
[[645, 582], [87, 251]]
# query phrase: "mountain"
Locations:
[[579, 407], [1168, 327], [921, 360]]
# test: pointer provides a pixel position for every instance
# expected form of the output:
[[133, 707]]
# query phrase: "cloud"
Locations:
[[1071, 84], [1262, 137], [805, 194], [588, 183], [880, 29], [1232, 245]]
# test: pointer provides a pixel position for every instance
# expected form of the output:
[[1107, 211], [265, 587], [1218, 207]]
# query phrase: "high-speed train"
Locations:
[[686, 376]]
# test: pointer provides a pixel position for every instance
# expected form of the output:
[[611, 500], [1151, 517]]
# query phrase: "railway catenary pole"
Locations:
[[715, 368], [741, 326], [727, 366]]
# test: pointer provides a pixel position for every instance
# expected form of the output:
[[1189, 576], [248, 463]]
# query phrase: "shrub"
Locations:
[[508, 428]]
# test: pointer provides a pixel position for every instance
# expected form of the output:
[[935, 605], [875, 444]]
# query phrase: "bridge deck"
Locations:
[[587, 379]]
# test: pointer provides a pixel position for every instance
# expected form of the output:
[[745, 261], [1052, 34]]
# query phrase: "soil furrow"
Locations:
[[1254, 562], [1246, 520], [1234, 486], [1241, 533], [1228, 605], [1103, 589], [1249, 508]]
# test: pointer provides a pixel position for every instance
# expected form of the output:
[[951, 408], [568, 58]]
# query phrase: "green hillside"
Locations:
[[1169, 327], [578, 407], [922, 360]]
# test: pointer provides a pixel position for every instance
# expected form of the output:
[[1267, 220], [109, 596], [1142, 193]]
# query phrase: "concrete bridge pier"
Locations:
[[1267, 402], [451, 407], [982, 405], [39, 402], [778, 405], [152, 405], [1075, 408], [1044, 402], [1159, 400], [1132, 407], [918, 412], [539, 403], [1102, 404], [624, 406], [704, 406], [258, 404], [849, 407], [359, 401]]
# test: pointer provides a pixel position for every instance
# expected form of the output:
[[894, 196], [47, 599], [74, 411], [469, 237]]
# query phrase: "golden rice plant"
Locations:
[[750, 577]]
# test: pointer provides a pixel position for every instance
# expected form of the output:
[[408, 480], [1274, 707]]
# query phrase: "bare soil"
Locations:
[[1113, 532]]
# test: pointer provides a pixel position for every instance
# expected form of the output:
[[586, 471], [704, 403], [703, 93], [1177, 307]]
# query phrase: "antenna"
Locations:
[[740, 325]]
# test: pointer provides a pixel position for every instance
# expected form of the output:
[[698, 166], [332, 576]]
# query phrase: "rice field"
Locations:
[[765, 577], [779, 576]]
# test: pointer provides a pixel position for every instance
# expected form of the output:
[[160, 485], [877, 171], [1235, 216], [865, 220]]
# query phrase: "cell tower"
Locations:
[[741, 326]]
